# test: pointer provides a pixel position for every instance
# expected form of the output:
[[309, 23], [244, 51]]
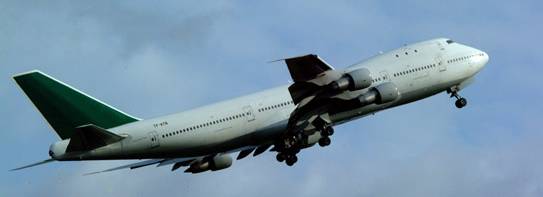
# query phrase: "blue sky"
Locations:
[[152, 59]]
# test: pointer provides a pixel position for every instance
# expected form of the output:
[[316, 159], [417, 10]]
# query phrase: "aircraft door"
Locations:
[[384, 75], [440, 63], [249, 114], [153, 139]]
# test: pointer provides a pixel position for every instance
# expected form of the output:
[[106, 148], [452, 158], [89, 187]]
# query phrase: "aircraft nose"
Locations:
[[480, 60], [484, 58]]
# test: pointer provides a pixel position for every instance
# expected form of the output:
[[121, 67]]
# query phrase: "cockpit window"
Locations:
[[450, 41]]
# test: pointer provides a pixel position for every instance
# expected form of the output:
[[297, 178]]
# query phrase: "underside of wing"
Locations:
[[131, 166], [319, 92]]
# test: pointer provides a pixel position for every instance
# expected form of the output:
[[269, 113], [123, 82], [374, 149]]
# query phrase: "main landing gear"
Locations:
[[460, 101], [288, 148], [291, 145], [326, 132], [289, 158]]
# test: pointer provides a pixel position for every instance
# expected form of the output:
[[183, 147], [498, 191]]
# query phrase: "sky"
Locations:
[[156, 58]]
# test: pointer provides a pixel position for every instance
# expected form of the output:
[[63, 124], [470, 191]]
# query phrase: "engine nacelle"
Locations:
[[354, 80], [58, 149], [380, 94], [218, 162]]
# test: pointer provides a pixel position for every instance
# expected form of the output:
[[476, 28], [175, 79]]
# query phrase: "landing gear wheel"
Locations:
[[461, 102], [291, 160], [328, 131], [325, 141], [280, 157]]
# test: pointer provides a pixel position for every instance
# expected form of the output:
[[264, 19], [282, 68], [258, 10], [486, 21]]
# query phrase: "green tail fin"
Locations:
[[65, 107]]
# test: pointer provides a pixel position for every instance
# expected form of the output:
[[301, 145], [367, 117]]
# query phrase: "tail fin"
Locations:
[[65, 107]]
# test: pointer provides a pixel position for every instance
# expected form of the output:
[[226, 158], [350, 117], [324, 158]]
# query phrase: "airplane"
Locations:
[[286, 119]]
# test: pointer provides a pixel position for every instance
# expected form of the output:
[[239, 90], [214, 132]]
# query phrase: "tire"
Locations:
[[328, 131], [291, 160], [462, 102], [280, 157], [325, 141]]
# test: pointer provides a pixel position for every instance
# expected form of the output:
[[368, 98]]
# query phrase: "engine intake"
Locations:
[[215, 163], [380, 94], [354, 80]]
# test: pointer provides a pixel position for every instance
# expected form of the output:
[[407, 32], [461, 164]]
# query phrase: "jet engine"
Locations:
[[354, 80], [380, 94], [215, 163], [58, 149]]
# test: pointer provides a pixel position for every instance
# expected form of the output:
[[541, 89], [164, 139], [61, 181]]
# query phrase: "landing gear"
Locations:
[[287, 149], [291, 160], [288, 157], [460, 101], [327, 131], [291, 143], [281, 157], [325, 141]]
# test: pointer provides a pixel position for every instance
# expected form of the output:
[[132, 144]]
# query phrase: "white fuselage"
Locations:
[[419, 70]]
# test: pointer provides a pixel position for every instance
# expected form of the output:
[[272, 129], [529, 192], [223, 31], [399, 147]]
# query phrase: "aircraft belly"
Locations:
[[409, 94]]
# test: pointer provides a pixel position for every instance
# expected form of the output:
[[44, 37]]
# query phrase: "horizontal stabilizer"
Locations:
[[89, 137], [34, 164]]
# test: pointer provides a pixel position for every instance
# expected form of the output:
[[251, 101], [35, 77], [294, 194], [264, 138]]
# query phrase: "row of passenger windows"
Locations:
[[283, 104], [414, 70], [207, 124], [463, 58], [407, 53], [379, 79]]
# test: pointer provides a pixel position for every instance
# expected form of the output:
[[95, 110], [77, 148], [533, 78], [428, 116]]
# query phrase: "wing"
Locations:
[[307, 67], [160, 162], [309, 73], [311, 76], [183, 162], [318, 90]]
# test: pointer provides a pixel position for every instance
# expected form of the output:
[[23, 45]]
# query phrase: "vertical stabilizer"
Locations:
[[65, 107]]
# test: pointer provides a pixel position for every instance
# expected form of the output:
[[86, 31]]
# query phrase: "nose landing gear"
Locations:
[[460, 101]]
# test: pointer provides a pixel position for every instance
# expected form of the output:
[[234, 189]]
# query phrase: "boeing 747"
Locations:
[[284, 120]]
